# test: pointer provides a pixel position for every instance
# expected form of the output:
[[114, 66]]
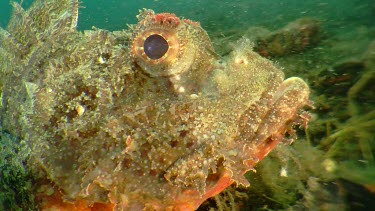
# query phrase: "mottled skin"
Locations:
[[110, 126]]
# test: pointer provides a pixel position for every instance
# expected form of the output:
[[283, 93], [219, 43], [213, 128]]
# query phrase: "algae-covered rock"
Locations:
[[293, 38]]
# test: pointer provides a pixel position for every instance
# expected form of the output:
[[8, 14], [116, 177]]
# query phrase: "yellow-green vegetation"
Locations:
[[15, 179]]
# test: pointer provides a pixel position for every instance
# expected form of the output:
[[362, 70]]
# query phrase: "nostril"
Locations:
[[155, 46]]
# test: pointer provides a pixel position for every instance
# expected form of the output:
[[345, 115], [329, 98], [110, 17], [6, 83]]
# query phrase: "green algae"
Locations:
[[15, 179]]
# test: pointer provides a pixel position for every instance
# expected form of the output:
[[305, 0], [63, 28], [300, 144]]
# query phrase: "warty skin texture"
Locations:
[[107, 125]]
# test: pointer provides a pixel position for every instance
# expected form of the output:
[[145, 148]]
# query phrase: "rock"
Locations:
[[293, 38]]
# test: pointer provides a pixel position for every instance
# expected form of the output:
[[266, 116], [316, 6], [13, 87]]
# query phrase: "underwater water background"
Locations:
[[348, 27], [218, 15]]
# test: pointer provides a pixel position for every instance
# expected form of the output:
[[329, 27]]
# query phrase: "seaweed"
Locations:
[[15, 178]]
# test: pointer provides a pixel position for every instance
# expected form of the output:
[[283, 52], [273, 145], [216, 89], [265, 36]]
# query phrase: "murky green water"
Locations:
[[218, 15]]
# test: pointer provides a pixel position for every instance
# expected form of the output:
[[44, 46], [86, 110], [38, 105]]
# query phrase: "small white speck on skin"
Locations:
[[194, 96], [232, 152], [177, 78], [80, 109], [181, 89], [101, 60], [195, 133], [283, 172], [329, 165], [241, 60]]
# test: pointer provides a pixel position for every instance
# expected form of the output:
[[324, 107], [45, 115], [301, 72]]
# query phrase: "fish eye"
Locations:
[[162, 50], [155, 46]]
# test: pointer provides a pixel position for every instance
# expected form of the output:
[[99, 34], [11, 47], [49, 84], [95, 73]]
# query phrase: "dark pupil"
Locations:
[[155, 46]]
